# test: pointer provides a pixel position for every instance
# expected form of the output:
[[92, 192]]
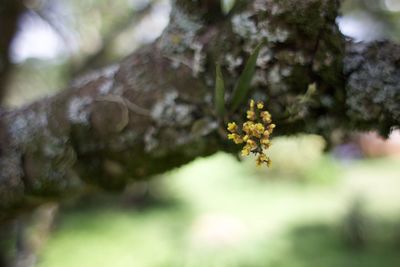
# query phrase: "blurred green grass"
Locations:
[[225, 213]]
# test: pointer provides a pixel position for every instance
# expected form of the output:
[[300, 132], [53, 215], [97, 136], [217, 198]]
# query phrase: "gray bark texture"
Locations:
[[154, 110]]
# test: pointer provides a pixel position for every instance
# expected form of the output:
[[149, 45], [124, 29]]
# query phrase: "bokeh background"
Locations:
[[312, 208]]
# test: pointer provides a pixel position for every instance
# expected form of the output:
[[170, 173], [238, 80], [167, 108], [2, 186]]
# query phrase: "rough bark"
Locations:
[[373, 85], [154, 110]]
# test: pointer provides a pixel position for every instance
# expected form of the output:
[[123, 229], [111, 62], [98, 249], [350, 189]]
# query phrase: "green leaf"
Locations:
[[219, 91], [243, 84]]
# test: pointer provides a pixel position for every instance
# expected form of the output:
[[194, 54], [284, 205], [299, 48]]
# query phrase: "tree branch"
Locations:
[[154, 111]]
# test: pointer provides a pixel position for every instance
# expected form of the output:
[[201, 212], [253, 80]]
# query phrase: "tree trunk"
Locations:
[[10, 12]]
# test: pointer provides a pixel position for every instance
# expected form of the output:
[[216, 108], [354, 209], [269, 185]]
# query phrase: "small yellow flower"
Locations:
[[259, 129], [265, 141], [266, 116], [247, 126], [255, 133], [271, 128], [252, 144], [252, 103], [269, 162], [246, 150], [251, 115], [237, 139], [232, 127], [263, 159]]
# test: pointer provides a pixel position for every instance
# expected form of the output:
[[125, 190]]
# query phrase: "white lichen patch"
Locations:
[[107, 72], [19, 126], [275, 10], [175, 63], [24, 126], [260, 6], [110, 71], [54, 146], [268, 5], [169, 112], [198, 58], [272, 34], [187, 23], [243, 25], [158, 109], [182, 114], [106, 87], [182, 31], [233, 62], [286, 71], [150, 140], [300, 58], [264, 57], [78, 109], [274, 75], [254, 31], [203, 127], [122, 140]]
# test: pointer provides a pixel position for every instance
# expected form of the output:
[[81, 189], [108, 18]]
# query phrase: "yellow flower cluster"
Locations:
[[254, 133]]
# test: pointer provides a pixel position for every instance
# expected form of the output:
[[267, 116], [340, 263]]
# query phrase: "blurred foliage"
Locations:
[[230, 217], [227, 5], [33, 79], [380, 19], [300, 159], [92, 34]]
